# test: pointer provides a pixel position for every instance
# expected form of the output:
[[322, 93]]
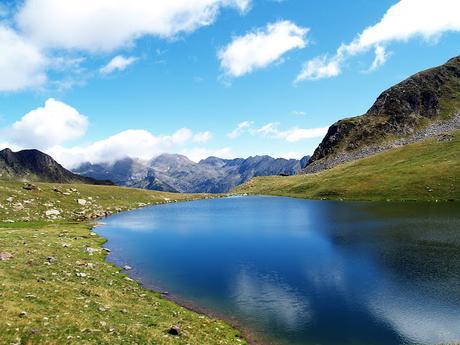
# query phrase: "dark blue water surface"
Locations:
[[304, 272]]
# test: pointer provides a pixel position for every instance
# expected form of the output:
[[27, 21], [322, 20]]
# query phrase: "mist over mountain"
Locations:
[[177, 173]]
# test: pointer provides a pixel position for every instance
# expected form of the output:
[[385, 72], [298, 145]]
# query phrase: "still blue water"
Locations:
[[304, 272]]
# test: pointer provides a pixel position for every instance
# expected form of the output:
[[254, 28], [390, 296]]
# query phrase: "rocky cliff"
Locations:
[[427, 101]]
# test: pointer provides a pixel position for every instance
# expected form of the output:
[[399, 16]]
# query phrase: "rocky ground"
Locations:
[[441, 129]]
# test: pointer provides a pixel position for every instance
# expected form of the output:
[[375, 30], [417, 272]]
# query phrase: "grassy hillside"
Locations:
[[56, 287], [428, 170]]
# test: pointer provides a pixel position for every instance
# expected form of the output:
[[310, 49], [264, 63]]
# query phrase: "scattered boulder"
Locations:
[[81, 202], [23, 314], [10, 199], [52, 212], [127, 268], [174, 330], [90, 250], [5, 256], [29, 186], [50, 259], [18, 206]]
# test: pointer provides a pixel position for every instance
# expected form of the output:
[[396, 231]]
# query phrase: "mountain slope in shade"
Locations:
[[33, 165], [177, 173], [428, 101]]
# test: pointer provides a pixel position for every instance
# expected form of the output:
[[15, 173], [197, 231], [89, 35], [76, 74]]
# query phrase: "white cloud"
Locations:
[[198, 153], [381, 57], [405, 20], [271, 130], [240, 128], [298, 134], [260, 48], [202, 137], [320, 67], [53, 124], [130, 143], [49, 127], [105, 25], [290, 135], [118, 63], [22, 65]]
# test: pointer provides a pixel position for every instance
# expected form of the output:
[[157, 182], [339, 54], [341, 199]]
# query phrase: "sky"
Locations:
[[99, 80]]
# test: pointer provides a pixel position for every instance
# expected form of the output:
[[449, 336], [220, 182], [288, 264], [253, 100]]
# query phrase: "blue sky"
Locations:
[[188, 73]]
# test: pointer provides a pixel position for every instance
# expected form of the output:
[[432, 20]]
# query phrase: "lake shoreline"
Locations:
[[246, 333]]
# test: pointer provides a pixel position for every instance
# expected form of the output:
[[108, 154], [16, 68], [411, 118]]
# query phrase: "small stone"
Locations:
[[66, 245], [29, 186], [23, 314], [106, 249], [52, 212], [50, 259], [81, 274], [174, 330], [127, 268], [10, 199], [5, 256], [82, 202]]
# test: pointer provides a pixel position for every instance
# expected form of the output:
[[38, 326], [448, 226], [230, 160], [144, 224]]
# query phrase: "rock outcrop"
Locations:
[[429, 99]]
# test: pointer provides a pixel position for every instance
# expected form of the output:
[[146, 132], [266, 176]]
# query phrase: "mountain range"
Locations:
[[177, 173]]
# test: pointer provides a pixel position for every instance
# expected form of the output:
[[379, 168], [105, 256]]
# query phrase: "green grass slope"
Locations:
[[428, 170], [56, 287]]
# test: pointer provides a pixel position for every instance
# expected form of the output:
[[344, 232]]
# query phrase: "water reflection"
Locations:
[[268, 299], [305, 272]]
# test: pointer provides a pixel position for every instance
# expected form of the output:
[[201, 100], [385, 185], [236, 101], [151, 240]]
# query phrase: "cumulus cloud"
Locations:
[[198, 153], [105, 25], [260, 48], [135, 143], [50, 127], [53, 124], [240, 129], [271, 130], [118, 63], [405, 20], [290, 135], [202, 137], [22, 65]]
